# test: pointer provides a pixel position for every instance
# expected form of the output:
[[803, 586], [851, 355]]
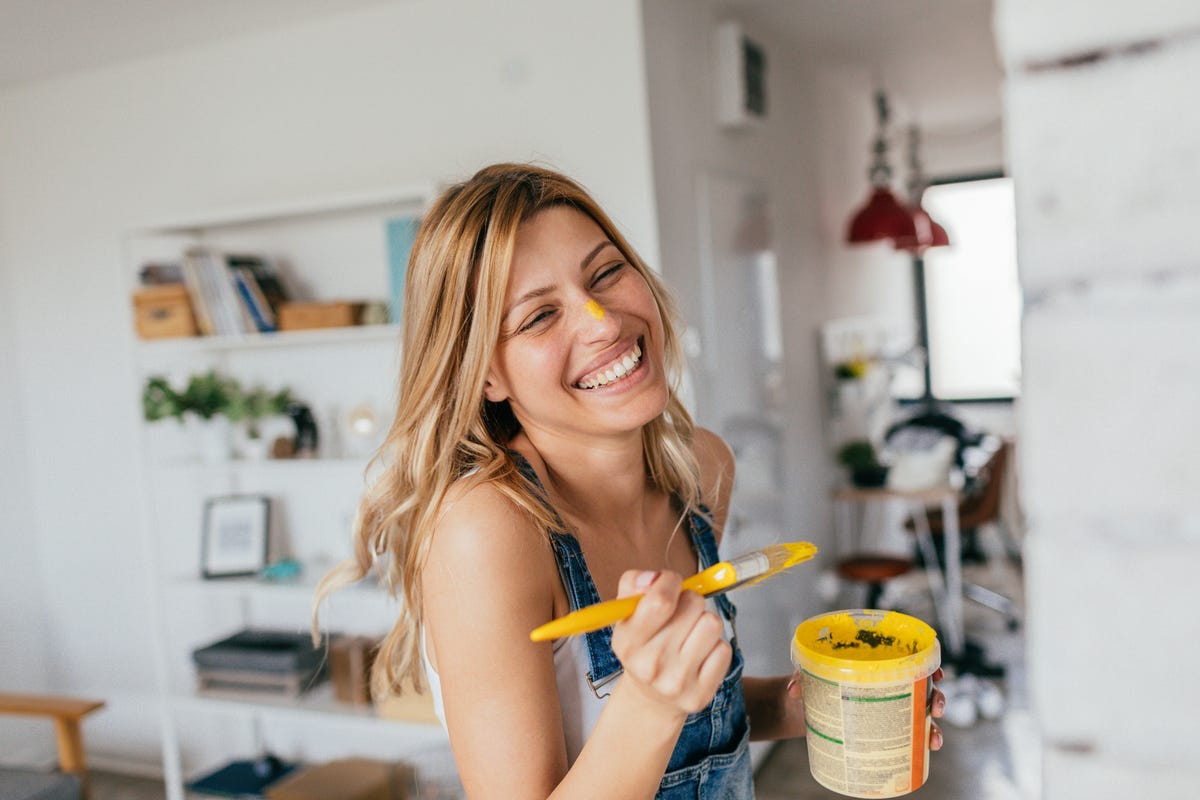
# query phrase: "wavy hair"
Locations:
[[444, 430]]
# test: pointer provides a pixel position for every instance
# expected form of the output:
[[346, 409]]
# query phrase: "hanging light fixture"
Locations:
[[883, 216], [927, 233]]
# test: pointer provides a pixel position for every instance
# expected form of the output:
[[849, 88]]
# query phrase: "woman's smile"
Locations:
[[616, 370]]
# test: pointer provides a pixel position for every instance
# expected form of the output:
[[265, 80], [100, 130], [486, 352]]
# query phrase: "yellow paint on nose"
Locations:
[[595, 309]]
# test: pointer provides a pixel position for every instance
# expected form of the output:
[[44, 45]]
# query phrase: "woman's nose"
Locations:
[[597, 321]]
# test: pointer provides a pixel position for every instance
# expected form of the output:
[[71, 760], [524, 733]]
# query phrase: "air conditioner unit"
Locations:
[[741, 79]]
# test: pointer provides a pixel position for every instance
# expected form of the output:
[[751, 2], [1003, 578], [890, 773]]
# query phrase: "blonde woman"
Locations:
[[540, 461]]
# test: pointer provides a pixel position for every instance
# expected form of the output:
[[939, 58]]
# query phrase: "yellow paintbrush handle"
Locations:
[[610, 612], [588, 619]]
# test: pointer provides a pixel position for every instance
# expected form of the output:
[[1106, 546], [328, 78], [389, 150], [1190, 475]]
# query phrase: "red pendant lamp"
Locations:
[[928, 233], [883, 216]]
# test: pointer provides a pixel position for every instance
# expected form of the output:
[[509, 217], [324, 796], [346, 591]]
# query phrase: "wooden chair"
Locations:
[[72, 780], [979, 508]]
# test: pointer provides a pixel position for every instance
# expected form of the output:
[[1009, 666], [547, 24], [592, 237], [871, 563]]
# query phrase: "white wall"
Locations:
[[778, 155], [23, 664], [1103, 136], [400, 92]]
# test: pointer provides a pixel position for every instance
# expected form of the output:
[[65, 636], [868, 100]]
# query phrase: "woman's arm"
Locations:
[[490, 579], [775, 707]]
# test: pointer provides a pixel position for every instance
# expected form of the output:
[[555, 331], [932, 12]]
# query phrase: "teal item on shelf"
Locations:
[[283, 570], [401, 233]]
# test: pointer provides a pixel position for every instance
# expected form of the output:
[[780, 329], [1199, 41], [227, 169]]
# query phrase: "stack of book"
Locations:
[[232, 294], [277, 662]]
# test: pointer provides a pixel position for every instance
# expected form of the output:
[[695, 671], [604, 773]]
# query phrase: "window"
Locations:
[[972, 295]]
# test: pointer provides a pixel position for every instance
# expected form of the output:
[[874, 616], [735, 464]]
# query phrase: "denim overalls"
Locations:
[[711, 760]]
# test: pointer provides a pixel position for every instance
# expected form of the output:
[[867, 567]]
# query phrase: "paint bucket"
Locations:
[[868, 692]]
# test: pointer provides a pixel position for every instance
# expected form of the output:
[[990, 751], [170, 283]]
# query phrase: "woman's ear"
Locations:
[[493, 390]]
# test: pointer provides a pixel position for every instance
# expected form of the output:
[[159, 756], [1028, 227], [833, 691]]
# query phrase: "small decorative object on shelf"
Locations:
[[234, 539], [305, 445]]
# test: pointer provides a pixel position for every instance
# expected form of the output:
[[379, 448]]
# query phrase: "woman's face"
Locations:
[[581, 338]]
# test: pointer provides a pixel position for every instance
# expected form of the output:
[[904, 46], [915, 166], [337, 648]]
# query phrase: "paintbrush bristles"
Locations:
[[786, 555]]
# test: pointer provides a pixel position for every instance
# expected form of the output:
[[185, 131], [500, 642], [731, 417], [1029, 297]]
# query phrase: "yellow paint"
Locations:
[[865, 645], [595, 309]]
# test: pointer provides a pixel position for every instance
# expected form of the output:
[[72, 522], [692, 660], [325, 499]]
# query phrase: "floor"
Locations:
[[989, 759]]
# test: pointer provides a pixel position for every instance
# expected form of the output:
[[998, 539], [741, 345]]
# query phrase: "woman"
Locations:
[[540, 461]]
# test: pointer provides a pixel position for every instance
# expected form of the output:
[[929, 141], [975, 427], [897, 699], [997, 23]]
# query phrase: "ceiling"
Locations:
[[937, 58], [41, 39], [927, 52]]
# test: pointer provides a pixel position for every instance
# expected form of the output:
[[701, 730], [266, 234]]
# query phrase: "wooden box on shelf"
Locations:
[[305, 316], [350, 659], [163, 311]]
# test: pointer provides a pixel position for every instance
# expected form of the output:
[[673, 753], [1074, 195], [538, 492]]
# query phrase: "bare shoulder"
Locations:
[[716, 462], [483, 536]]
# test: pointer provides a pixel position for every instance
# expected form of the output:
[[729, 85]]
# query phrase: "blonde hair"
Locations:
[[444, 430]]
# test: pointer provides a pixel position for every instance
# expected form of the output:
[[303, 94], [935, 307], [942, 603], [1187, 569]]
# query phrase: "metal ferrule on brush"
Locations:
[[749, 567]]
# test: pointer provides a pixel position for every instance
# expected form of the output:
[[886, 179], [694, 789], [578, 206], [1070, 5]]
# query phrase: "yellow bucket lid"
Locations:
[[866, 646]]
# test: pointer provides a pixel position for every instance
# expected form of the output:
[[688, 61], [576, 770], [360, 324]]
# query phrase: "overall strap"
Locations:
[[603, 666], [705, 543]]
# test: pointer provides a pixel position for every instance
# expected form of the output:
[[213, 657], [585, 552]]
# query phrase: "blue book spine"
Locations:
[[263, 324]]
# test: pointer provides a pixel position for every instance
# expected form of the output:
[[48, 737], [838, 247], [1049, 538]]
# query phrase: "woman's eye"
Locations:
[[537, 319], [608, 273]]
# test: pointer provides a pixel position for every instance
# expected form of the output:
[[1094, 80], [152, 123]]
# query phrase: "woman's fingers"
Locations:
[[671, 644], [939, 702], [939, 708]]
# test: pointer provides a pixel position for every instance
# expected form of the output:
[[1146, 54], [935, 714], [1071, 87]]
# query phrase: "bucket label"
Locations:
[[868, 741]]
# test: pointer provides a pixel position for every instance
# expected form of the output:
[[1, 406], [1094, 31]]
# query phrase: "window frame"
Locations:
[[921, 297]]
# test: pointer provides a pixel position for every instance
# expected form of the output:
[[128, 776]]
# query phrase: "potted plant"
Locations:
[[251, 407], [211, 402], [859, 457]]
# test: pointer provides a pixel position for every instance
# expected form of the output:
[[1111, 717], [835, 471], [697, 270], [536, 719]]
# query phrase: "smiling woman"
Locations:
[[540, 461]]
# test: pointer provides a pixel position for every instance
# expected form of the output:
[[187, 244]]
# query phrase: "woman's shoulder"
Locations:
[[478, 516], [716, 462]]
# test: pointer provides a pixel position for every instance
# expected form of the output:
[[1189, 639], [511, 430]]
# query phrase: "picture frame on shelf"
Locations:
[[234, 536]]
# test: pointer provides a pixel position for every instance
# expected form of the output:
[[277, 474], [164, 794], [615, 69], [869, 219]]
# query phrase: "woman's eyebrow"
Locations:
[[588, 258], [530, 295]]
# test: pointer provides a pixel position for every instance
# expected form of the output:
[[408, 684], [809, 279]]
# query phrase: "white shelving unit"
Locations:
[[331, 248]]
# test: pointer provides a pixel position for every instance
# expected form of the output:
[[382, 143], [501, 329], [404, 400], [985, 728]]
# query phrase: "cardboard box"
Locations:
[[306, 316], [350, 659], [163, 311], [346, 779], [408, 707]]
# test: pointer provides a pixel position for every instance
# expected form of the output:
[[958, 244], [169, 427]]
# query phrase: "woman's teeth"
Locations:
[[619, 369]]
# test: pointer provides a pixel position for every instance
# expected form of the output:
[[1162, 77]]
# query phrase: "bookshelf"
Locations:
[[329, 248]]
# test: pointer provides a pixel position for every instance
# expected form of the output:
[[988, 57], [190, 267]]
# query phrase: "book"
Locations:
[[272, 289], [193, 281], [252, 296]]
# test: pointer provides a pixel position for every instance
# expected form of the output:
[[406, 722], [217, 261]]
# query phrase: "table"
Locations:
[[945, 585]]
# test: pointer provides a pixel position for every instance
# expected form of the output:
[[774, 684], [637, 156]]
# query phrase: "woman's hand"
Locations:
[[794, 705], [939, 708], [672, 649]]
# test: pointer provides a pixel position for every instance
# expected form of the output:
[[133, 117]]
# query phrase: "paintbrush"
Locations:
[[724, 576]]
